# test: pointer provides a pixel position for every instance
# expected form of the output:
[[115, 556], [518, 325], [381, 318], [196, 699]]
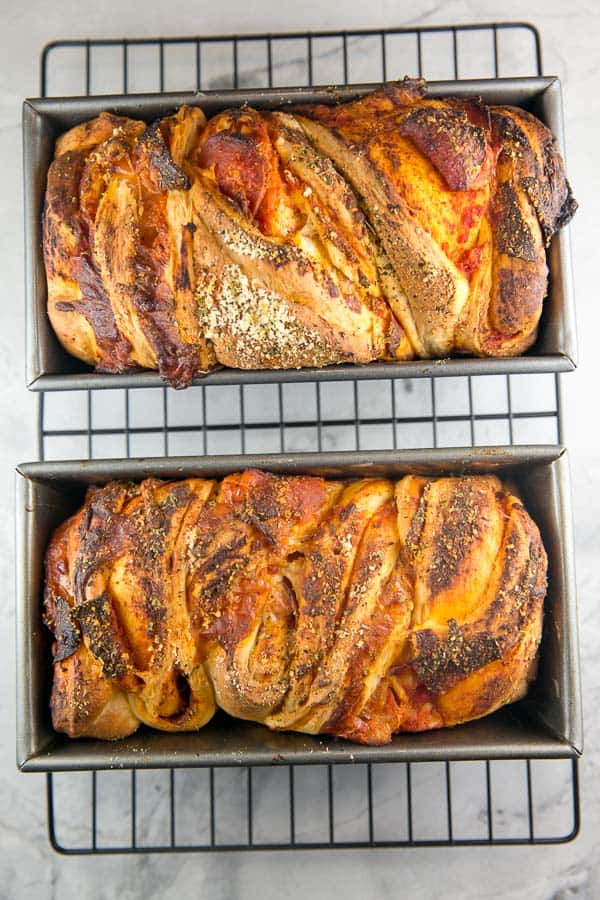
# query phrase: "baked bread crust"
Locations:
[[117, 223], [357, 609], [391, 227], [465, 198]]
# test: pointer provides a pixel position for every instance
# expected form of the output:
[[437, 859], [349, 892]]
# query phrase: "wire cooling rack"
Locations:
[[287, 807]]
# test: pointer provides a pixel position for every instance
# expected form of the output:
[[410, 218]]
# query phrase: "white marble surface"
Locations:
[[28, 868]]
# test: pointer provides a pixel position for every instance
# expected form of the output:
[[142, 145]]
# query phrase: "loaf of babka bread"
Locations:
[[392, 227], [357, 609]]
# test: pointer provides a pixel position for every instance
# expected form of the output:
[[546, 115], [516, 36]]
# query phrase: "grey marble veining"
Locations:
[[28, 868]]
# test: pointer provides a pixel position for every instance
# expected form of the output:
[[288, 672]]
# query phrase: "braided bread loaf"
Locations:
[[357, 609], [387, 228]]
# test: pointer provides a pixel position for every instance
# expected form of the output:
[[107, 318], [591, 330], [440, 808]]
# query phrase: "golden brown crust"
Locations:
[[356, 609], [115, 246], [242, 298], [465, 198], [425, 291], [385, 228], [298, 280], [112, 565]]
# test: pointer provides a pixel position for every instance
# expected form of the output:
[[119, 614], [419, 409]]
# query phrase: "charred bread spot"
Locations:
[[539, 167], [66, 630], [518, 299], [167, 174], [62, 201], [97, 309], [455, 147], [184, 689], [460, 526], [225, 555], [512, 235], [103, 534], [554, 207], [185, 262], [566, 212], [415, 530], [442, 663], [506, 131], [154, 301], [320, 583], [99, 624]]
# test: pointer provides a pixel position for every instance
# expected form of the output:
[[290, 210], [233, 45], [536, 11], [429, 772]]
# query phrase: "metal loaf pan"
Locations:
[[547, 723], [49, 367]]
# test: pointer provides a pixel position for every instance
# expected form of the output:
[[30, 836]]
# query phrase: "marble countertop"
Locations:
[[28, 866]]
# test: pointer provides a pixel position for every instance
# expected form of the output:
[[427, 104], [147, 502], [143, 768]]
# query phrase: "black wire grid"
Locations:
[[377, 805]]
